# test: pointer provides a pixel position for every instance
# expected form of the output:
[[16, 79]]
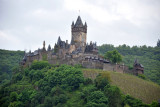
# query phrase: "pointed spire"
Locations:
[[85, 24], [59, 40], [44, 44], [49, 47], [73, 23], [78, 22]]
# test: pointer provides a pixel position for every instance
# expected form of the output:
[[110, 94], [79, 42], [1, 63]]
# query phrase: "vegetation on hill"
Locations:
[[139, 88], [45, 85], [148, 56], [8, 60]]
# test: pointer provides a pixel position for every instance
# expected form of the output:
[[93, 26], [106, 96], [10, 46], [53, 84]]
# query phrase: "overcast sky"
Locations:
[[25, 24]]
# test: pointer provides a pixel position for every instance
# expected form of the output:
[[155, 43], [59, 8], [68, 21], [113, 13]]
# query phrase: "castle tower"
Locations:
[[44, 46], [79, 34]]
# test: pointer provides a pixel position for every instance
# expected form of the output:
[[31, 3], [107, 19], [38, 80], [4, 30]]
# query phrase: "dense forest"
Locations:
[[148, 56], [8, 60], [45, 85]]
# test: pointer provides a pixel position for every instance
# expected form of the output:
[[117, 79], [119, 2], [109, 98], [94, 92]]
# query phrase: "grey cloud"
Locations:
[[30, 22]]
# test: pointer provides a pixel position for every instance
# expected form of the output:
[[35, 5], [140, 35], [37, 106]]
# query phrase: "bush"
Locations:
[[130, 67], [13, 96], [114, 56], [16, 104], [97, 99], [114, 95], [37, 65], [102, 80], [78, 66], [88, 81], [142, 76], [17, 77], [133, 102], [56, 91]]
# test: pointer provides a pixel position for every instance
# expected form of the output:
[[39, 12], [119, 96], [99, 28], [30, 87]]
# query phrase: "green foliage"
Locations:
[[13, 96], [71, 81], [147, 55], [114, 56], [98, 97], [114, 95], [130, 67], [8, 60], [56, 91], [17, 77], [154, 104], [133, 102], [142, 76], [16, 104], [39, 64], [43, 85], [102, 80], [136, 87], [88, 81], [78, 66], [4, 102]]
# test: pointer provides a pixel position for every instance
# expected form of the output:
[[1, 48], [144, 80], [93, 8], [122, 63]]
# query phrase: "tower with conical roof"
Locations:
[[79, 34]]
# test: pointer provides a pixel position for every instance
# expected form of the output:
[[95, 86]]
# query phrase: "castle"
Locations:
[[76, 52]]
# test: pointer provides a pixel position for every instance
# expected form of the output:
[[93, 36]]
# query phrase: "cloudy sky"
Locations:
[[25, 24]]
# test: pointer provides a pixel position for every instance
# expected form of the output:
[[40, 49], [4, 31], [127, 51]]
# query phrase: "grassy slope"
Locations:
[[145, 90]]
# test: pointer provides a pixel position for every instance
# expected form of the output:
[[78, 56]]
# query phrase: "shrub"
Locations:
[[16, 104], [88, 81], [97, 99], [114, 95], [102, 80], [133, 102], [142, 76], [130, 67], [114, 56], [37, 65], [13, 96]]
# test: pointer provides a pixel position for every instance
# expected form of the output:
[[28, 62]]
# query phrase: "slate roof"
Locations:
[[78, 22]]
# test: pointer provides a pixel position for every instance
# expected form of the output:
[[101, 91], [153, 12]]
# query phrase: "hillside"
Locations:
[[8, 60], [45, 85], [147, 91], [149, 57]]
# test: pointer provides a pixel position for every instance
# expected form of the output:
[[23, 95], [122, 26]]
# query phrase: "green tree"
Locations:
[[133, 102], [102, 80], [97, 98], [114, 96], [158, 43], [39, 64], [13, 96], [16, 104], [114, 56]]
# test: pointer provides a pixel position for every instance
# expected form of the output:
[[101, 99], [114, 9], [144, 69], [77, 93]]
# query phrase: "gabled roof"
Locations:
[[78, 22]]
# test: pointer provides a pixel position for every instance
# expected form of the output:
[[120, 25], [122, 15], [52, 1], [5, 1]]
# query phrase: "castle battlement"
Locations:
[[77, 52]]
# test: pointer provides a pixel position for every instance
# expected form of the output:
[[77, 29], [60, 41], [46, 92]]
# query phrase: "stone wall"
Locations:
[[116, 67]]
